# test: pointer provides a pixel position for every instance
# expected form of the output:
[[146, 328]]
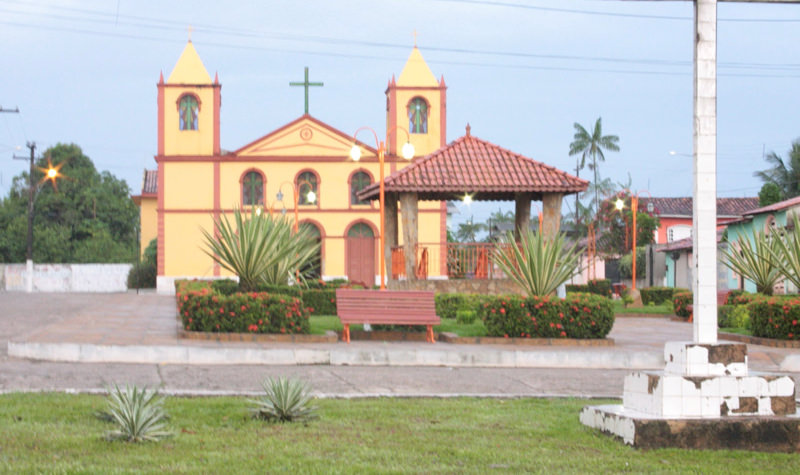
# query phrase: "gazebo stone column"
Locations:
[[409, 210], [522, 212], [390, 228], [551, 214]]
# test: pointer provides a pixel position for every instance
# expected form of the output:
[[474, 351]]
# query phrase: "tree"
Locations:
[[616, 238], [91, 218], [770, 193], [592, 146], [498, 220], [468, 232], [785, 174]]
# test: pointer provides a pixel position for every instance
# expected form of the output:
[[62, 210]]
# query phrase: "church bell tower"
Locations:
[[188, 109], [417, 102]]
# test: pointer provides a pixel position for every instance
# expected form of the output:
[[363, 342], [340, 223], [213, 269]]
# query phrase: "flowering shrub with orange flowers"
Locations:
[[580, 315], [681, 302], [202, 309], [775, 317]]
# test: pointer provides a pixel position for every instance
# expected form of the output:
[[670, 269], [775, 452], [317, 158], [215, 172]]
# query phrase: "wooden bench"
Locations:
[[391, 307]]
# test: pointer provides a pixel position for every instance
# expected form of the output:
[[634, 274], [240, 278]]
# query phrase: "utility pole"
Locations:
[[31, 189]]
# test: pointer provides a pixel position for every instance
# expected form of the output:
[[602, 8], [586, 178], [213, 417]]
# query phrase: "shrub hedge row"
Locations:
[[776, 317], [656, 295], [596, 286], [319, 298], [252, 312], [681, 302], [733, 316], [448, 305], [580, 315]]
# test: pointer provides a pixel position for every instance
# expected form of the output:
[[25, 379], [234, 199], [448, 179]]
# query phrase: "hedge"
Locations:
[[656, 295], [776, 318], [448, 305], [319, 299], [681, 302], [252, 312], [580, 315], [595, 286]]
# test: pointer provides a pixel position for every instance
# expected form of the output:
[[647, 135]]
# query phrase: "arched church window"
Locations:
[[418, 116], [253, 189], [187, 110], [307, 192], [358, 182]]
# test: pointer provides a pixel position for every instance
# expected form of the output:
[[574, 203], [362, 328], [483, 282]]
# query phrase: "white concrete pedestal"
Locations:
[[700, 382]]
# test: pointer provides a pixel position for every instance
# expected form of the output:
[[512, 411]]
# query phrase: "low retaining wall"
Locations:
[[68, 277], [460, 286]]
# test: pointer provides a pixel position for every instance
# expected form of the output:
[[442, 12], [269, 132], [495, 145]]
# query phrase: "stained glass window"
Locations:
[[187, 110], [358, 182], [418, 116], [253, 189], [306, 184]]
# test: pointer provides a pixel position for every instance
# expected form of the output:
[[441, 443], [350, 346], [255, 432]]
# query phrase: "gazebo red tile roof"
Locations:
[[476, 166]]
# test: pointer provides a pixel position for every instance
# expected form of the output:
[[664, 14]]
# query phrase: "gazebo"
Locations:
[[468, 166]]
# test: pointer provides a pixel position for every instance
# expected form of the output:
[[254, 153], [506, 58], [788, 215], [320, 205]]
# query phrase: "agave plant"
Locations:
[[284, 400], [757, 259], [261, 248], [537, 264], [138, 413], [786, 254]]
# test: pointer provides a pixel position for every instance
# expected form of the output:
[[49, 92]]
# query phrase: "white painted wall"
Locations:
[[68, 277]]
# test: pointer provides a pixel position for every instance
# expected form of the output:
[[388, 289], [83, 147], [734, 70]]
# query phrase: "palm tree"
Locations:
[[467, 232], [592, 145], [784, 174]]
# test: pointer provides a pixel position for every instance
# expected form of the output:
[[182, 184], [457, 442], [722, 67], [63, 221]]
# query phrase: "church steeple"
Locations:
[[416, 72], [189, 69], [417, 102], [188, 108]]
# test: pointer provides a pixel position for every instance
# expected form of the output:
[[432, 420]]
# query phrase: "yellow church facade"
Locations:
[[302, 169]]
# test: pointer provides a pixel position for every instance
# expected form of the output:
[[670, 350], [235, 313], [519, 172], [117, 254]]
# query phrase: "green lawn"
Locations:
[[663, 309], [321, 324], [61, 433]]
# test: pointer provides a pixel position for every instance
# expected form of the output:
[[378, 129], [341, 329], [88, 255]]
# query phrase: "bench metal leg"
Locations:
[[430, 334], [346, 333]]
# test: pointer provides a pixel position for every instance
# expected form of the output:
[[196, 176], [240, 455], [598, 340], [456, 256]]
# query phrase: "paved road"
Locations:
[[23, 314]]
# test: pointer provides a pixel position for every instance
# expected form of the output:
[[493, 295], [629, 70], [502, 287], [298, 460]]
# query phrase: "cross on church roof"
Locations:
[[306, 85]]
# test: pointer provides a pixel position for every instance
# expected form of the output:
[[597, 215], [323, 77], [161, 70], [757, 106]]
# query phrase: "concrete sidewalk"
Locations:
[[143, 328]]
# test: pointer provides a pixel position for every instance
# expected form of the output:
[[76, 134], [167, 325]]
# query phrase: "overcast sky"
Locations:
[[521, 73]]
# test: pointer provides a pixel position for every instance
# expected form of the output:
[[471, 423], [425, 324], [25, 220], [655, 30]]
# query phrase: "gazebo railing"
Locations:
[[455, 260]]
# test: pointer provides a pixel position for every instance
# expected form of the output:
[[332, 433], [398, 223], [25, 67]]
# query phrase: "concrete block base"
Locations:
[[765, 434], [704, 399]]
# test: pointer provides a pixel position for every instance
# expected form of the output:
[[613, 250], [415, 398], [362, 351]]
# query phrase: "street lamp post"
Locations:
[[634, 210], [51, 173], [408, 154], [310, 196]]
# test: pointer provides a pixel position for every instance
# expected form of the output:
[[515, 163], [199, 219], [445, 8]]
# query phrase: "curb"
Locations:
[[385, 355]]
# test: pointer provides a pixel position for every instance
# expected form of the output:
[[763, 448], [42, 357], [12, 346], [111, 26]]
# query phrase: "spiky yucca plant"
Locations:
[[284, 400], [261, 248], [757, 259], [786, 254], [138, 413], [537, 264]]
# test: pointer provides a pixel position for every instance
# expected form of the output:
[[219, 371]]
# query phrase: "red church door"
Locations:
[[360, 252]]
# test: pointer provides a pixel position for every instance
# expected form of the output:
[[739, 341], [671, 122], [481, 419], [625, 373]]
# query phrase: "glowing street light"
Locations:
[[311, 197], [407, 153]]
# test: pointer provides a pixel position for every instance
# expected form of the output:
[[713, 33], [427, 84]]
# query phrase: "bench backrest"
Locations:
[[387, 306]]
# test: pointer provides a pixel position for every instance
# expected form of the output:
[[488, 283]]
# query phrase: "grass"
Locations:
[[61, 433], [321, 324], [737, 330], [663, 309]]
